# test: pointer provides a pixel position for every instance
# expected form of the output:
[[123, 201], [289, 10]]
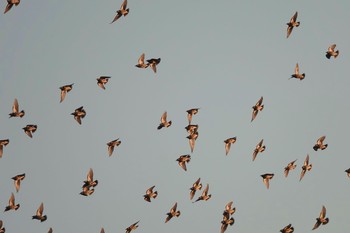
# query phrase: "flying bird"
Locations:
[[15, 110], [78, 114], [87, 191], [196, 186], [113, 144], [50, 230], [124, 11], [322, 219], [2, 228], [191, 129], [296, 74], [259, 149], [228, 209], [64, 90], [3, 143], [331, 53], [102, 230], [348, 172], [102, 81], [172, 213], [17, 180], [39, 213], [305, 167], [12, 205], [132, 227], [226, 221], [153, 62], [228, 143], [150, 194], [205, 196], [141, 62], [266, 178], [289, 167], [182, 160], [10, 4], [164, 122], [190, 113], [192, 140], [257, 107], [30, 129], [319, 144], [90, 182], [292, 23], [287, 229]]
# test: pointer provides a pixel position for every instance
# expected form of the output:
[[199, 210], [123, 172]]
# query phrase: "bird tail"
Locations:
[[297, 25], [336, 54]]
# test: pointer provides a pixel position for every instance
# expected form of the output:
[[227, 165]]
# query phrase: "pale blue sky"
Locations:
[[219, 56]]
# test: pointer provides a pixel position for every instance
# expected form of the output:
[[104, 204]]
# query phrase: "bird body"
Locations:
[[292, 23]]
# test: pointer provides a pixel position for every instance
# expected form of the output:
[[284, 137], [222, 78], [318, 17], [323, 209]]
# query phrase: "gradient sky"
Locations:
[[218, 56]]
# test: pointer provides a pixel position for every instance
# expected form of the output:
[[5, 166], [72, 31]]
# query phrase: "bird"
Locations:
[[257, 107], [12, 205], [113, 144], [322, 219], [10, 4], [141, 62], [2, 228], [17, 180], [30, 129], [259, 149], [319, 144], [102, 230], [150, 194], [102, 80], [266, 178], [87, 191], [228, 143], [182, 160], [305, 167], [90, 182], [191, 129], [124, 11], [287, 229], [196, 186], [153, 62], [50, 230], [331, 53], [226, 221], [190, 113], [292, 23], [192, 140], [348, 172], [15, 110], [296, 74], [78, 114], [39, 214], [64, 90], [132, 227], [172, 213], [289, 167], [228, 209], [164, 122], [205, 196], [3, 142]]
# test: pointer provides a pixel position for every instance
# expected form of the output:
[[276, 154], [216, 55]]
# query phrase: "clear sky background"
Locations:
[[219, 56]]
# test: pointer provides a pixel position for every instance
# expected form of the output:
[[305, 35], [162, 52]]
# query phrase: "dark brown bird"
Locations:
[[150, 194], [205, 196], [292, 23], [257, 107], [90, 182], [289, 167], [259, 149], [122, 12], [190, 113], [153, 63], [191, 129], [348, 172], [102, 81], [322, 219], [17, 180], [164, 122], [228, 143], [30, 129], [2, 228], [228, 209], [226, 221], [113, 144], [266, 178], [10, 4], [3, 143], [39, 214], [305, 167], [331, 53], [182, 160], [172, 213], [141, 62], [15, 110], [319, 144], [64, 90], [12, 205], [287, 229], [196, 186], [78, 114], [132, 227]]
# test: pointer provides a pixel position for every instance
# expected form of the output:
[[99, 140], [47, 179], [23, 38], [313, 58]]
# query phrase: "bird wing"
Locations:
[[40, 210], [124, 5], [323, 212], [296, 71], [15, 107], [227, 147], [294, 17], [141, 59]]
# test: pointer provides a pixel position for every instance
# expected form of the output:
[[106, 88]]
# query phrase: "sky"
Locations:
[[218, 57]]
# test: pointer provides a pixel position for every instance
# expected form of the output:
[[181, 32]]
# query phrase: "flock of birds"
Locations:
[[89, 184]]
